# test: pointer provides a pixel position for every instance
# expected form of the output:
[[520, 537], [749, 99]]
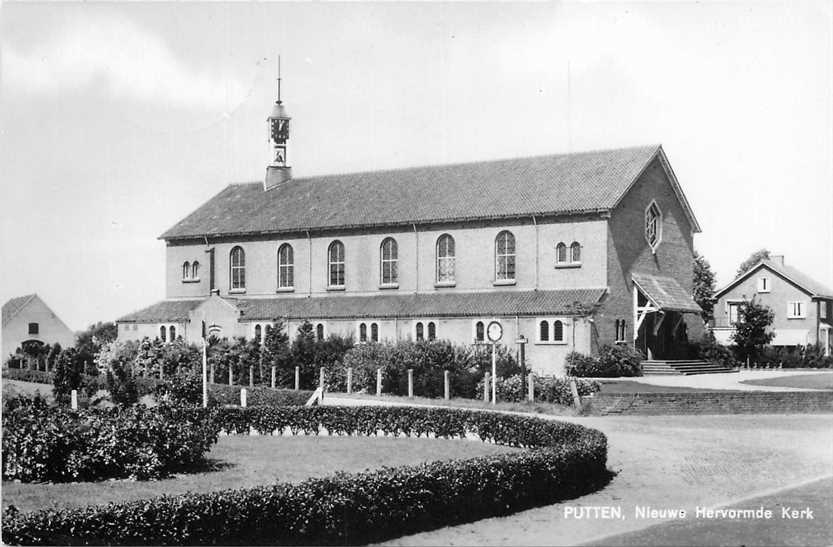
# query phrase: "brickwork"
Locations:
[[718, 402]]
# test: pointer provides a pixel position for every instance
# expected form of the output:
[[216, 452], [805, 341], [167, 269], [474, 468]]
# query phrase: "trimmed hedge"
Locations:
[[258, 395], [549, 389], [564, 461], [612, 362]]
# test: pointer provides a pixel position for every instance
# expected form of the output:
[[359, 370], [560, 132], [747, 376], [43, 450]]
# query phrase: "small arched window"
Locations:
[[389, 262], [575, 252], [445, 259], [505, 256], [420, 333], [544, 331], [561, 253], [195, 270], [186, 270], [374, 332], [257, 332], [363, 333], [335, 264], [286, 266], [479, 332], [163, 333], [172, 333], [432, 331], [557, 331], [237, 269], [319, 332]]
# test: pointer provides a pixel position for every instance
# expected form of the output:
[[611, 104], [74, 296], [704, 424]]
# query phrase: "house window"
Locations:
[[479, 332], [420, 334], [195, 270], [620, 331], [389, 260], [763, 284], [335, 264], [374, 332], [363, 333], [445, 259], [653, 225], [237, 272], [544, 331], [319, 332], [172, 333], [561, 253], [822, 310], [34, 328], [733, 309], [796, 310], [286, 266], [557, 331], [186, 271], [163, 333], [432, 331], [505, 256], [575, 253]]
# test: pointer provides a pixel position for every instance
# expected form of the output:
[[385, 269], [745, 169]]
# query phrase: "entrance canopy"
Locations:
[[665, 294]]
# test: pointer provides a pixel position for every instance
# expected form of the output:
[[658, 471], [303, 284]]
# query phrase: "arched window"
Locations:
[[319, 332], [162, 333], [557, 331], [505, 256], [257, 332], [363, 333], [420, 334], [479, 332], [286, 266], [544, 331], [237, 270], [195, 270], [653, 225], [172, 333], [389, 260], [374, 332], [445, 259], [575, 252], [335, 264], [186, 270], [561, 253], [432, 331]]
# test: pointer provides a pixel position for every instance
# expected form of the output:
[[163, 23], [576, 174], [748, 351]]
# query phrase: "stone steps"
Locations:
[[681, 367]]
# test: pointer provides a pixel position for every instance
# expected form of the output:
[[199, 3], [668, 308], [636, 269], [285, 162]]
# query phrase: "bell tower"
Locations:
[[278, 170]]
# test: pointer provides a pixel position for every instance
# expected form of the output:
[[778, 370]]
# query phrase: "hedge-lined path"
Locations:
[[729, 380], [664, 462]]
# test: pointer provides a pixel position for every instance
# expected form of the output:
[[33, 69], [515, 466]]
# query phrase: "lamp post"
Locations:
[[204, 369]]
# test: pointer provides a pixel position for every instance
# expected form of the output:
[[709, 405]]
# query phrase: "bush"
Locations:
[[811, 356], [256, 396], [67, 375], [567, 460], [613, 361], [549, 389], [43, 443], [708, 349], [182, 389], [27, 375]]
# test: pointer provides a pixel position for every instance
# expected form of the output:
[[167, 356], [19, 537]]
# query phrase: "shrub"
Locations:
[[567, 460], [708, 349], [811, 356], [613, 361], [256, 396], [549, 389], [67, 375], [42, 443], [27, 375], [182, 389]]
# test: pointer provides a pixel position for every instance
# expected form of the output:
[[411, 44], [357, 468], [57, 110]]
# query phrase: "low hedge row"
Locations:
[[549, 389], [258, 395], [28, 375], [564, 461]]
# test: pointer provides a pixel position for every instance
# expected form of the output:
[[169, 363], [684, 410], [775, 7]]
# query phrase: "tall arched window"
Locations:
[[575, 252], [420, 333], [363, 332], [257, 332], [560, 253], [505, 256], [319, 332], [479, 332], [389, 260], [172, 333], [432, 331], [445, 259], [544, 331], [186, 270], [286, 266], [195, 270], [335, 264], [374, 332], [237, 269], [557, 331], [162, 333]]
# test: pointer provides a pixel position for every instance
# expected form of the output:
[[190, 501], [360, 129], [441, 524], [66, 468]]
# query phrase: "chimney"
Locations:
[[778, 259]]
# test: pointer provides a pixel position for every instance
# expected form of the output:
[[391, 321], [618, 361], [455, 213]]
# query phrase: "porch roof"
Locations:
[[666, 293]]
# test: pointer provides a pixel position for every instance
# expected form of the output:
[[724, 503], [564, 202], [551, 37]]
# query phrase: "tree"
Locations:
[[276, 351], [67, 374], [88, 343], [751, 333], [753, 259], [703, 286]]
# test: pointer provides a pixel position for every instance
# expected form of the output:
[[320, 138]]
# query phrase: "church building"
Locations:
[[569, 251]]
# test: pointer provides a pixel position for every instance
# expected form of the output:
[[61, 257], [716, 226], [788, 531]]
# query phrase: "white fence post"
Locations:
[[486, 386], [446, 385], [273, 378], [73, 395], [531, 389], [243, 397], [411, 383], [349, 379], [297, 378], [378, 382]]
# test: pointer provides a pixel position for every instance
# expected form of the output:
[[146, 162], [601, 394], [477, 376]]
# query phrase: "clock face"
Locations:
[[494, 331]]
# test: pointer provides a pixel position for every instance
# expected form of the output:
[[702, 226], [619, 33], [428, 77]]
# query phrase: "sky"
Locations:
[[119, 119]]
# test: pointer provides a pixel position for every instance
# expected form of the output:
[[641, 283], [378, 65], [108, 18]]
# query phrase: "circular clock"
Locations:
[[494, 331]]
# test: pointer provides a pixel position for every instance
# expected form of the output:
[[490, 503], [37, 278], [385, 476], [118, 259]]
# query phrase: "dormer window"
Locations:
[[653, 225], [763, 284]]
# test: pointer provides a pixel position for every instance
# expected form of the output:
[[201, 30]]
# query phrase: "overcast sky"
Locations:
[[117, 120]]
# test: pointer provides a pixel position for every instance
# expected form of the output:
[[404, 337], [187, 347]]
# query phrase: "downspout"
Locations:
[[537, 251], [416, 247], [309, 264]]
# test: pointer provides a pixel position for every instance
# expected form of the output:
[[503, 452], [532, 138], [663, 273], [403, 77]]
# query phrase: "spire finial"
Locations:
[[279, 79]]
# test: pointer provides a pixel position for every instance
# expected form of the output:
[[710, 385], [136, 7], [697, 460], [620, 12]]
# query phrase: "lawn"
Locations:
[[823, 380], [245, 461]]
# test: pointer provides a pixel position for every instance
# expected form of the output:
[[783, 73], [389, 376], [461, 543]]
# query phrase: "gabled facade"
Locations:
[[27, 320], [803, 308]]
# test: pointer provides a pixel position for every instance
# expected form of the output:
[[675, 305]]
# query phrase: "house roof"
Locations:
[[501, 303], [793, 275], [578, 183], [666, 293], [14, 305]]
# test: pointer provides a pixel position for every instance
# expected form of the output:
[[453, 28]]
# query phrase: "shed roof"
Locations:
[[666, 293]]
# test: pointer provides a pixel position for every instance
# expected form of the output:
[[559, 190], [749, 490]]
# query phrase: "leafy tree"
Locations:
[[89, 342], [52, 356], [120, 381], [277, 352], [704, 286], [753, 259], [67, 375], [303, 355], [751, 334]]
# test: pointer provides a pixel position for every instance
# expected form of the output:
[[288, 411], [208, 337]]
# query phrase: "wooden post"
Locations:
[[446, 385], [349, 379], [297, 378], [321, 379], [243, 397], [251, 376], [273, 378], [378, 382], [531, 388], [574, 391], [230, 376], [411, 383], [486, 383], [73, 397]]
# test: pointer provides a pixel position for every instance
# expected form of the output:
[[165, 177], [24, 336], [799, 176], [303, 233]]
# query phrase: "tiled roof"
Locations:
[[166, 310], [557, 184], [14, 305], [666, 293], [502, 303], [805, 282]]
